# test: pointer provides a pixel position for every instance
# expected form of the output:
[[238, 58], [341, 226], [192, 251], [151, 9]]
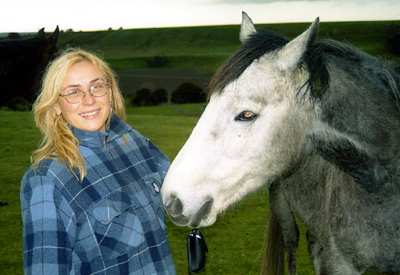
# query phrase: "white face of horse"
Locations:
[[249, 135]]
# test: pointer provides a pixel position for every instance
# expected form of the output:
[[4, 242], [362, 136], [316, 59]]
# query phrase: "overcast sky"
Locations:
[[30, 15]]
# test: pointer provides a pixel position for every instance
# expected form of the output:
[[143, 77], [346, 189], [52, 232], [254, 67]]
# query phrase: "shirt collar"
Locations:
[[117, 127]]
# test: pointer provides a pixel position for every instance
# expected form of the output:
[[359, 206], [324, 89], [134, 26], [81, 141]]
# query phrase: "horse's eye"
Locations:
[[246, 116]]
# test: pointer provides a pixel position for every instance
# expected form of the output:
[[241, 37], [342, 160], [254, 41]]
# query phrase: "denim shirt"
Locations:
[[112, 222]]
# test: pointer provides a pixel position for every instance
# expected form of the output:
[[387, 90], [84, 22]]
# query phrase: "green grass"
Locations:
[[211, 40], [205, 48], [17, 139]]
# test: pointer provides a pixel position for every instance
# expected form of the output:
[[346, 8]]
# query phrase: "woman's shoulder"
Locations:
[[47, 170], [42, 187], [137, 135], [45, 167]]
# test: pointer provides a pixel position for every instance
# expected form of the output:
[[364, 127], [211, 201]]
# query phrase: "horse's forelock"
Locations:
[[256, 46]]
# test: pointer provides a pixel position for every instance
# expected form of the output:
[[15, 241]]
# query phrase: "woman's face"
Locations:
[[80, 108]]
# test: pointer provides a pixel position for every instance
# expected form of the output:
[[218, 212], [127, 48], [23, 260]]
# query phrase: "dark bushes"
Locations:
[[393, 43], [188, 93], [144, 97], [19, 104], [159, 96], [393, 39], [185, 93]]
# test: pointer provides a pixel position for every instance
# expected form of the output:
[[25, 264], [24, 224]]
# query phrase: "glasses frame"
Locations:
[[83, 92]]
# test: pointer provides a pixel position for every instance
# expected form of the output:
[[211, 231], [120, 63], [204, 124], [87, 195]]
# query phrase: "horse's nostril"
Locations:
[[202, 213], [206, 207], [174, 206]]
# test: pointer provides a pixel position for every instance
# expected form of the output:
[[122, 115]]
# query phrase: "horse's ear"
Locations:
[[41, 32], [291, 54], [246, 28], [55, 34]]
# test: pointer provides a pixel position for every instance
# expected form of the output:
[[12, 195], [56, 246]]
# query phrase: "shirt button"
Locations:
[[156, 188]]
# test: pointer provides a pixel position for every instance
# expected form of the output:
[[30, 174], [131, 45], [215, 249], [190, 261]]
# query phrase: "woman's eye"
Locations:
[[73, 92], [98, 86], [246, 116]]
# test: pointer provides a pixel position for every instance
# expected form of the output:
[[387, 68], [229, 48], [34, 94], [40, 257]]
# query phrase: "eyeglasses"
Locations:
[[75, 95]]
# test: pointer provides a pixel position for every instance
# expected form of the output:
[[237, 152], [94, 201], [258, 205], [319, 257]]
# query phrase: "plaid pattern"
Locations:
[[111, 223]]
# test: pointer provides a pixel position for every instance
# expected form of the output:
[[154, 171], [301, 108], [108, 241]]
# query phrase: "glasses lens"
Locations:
[[99, 88], [72, 95]]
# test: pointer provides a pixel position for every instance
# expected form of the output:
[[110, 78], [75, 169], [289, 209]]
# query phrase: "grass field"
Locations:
[[235, 242], [205, 48]]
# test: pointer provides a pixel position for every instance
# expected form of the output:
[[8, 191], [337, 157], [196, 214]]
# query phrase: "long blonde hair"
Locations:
[[58, 140]]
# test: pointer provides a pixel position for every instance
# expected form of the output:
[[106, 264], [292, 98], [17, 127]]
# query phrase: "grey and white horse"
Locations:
[[318, 124]]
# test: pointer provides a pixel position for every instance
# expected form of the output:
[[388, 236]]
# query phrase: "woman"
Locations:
[[90, 201]]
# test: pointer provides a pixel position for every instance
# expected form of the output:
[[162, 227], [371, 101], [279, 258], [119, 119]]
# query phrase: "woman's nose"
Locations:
[[88, 99]]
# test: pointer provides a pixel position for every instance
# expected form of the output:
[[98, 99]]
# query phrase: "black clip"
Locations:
[[196, 251]]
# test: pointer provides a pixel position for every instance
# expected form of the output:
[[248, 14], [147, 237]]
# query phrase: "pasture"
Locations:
[[203, 49]]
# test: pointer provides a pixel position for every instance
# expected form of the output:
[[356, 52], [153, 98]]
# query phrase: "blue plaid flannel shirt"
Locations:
[[111, 223]]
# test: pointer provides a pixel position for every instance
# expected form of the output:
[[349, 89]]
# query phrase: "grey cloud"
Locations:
[[262, 1], [339, 2]]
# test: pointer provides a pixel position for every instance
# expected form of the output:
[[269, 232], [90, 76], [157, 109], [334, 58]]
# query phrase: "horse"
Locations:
[[22, 63], [315, 121]]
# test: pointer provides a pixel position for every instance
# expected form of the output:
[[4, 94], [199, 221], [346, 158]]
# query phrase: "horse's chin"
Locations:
[[210, 220], [184, 221]]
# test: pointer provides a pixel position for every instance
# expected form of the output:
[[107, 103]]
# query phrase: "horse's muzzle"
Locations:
[[175, 210]]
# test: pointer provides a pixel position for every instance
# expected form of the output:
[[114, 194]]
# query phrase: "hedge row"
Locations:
[[185, 93]]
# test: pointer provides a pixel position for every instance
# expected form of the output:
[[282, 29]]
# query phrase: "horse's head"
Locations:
[[252, 132]]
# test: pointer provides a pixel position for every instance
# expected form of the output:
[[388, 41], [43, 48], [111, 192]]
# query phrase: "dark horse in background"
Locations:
[[318, 123], [22, 62]]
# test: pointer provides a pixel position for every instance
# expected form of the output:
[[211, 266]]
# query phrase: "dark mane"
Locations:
[[326, 57], [256, 46], [316, 59]]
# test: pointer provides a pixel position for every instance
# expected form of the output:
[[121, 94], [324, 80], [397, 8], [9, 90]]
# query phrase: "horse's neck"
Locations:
[[310, 188], [357, 128], [320, 191], [362, 102]]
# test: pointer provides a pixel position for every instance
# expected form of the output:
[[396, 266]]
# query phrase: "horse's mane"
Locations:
[[256, 46], [326, 53], [316, 59]]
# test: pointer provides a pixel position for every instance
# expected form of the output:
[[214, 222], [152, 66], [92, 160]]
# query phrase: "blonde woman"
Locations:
[[90, 200]]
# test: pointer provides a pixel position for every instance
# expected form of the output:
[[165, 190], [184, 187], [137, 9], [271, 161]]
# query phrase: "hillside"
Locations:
[[204, 48]]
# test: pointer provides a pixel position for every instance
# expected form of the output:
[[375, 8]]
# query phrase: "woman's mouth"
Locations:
[[90, 114]]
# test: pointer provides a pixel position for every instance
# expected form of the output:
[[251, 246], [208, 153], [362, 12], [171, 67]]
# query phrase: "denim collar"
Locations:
[[93, 139]]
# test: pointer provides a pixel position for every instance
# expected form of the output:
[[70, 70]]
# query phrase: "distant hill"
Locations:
[[204, 48]]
